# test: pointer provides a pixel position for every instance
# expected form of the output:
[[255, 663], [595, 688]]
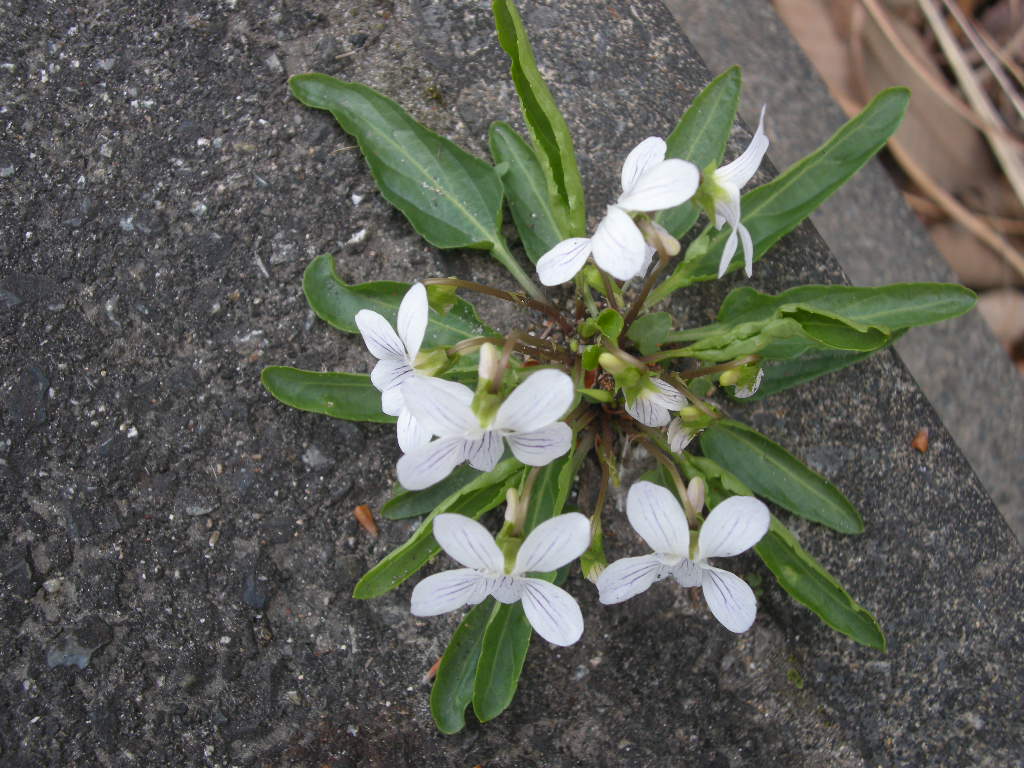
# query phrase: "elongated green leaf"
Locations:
[[453, 686], [901, 305], [336, 303], [838, 332], [649, 331], [701, 136], [348, 396], [450, 197], [488, 491], [773, 473], [503, 652], [547, 126], [526, 190], [405, 504], [772, 210], [809, 583], [550, 491]]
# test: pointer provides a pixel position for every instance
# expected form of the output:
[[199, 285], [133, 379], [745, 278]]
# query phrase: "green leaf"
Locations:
[[773, 473], [453, 686], [837, 332], [590, 356], [507, 638], [503, 652], [405, 504], [772, 210], [336, 303], [348, 396], [547, 126], [649, 331], [901, 305], [701, 137], [450, 197], [809, 583], [610, 323], [597, 395], [526, 190], [480, 496]]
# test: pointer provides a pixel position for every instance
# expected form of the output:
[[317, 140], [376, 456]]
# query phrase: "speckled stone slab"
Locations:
[[178, 549]]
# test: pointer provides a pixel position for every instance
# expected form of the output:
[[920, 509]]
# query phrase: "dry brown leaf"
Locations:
[[939, 139], [975, 264], [1003, 310], [920, 441], [364, 516], [812, 23]]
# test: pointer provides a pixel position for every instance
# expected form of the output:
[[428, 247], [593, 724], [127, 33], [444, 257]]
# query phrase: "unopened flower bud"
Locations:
[[612, 364], [490, 361], [695, 494]]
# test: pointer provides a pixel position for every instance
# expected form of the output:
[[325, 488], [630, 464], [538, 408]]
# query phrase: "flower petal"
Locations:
[[390, 373], [742, 169], [412, 319], [679, 435], [484, 452], [667, 396], [552, 611], [422, 467], [649, 251], [561, 263], [392, 401], [688, 573], [447, 591], [542, 446], [648, 411], [644, 156], [539, 401], [618, 245], [378, 335], [554, 543], [629, 577], [727, 253], [507, 589], [666, 185], [441, 406], [655, 514], [734, 526], [730, 599], [748, 249], [468, 542], [411, 435], [751, 389]]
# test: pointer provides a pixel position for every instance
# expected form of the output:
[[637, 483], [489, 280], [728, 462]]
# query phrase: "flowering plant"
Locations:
[[485, 417]]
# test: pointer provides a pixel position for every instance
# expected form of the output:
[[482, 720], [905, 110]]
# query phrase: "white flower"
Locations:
[[528, 420], [653, 405], [734, 526], [680, 435], [396, 354], [649, 183], [727, 182], [749, 389], [551, 610]]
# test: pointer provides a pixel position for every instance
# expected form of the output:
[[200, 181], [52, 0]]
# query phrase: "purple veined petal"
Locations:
[[667, 396], [742, 169], [679, 435], [561, 263], [734, 526], [506, 589], [410, 434], [392, 402], [447, 591], [483, 452], [441, 406], [658, 517], [542, 399], [750, 390], [552, 612], [412, 319], [644, 156], [542, 446], [629, 577], [553, 543], [727, 253], [688, 573], [378, 335], [730, 599], [618, 245], [748, 249], [648, 411], [468, 542], [422, 467], [390, 373], [666, 185]]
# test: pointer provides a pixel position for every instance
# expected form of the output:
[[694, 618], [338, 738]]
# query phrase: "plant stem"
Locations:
[[609, 289], [500, 251], [541, 305]]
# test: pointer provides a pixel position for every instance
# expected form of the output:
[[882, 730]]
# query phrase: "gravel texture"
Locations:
[[177, 549]]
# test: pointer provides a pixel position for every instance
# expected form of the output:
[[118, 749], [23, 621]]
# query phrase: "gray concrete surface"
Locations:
[[875, 237], [177, 549]]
